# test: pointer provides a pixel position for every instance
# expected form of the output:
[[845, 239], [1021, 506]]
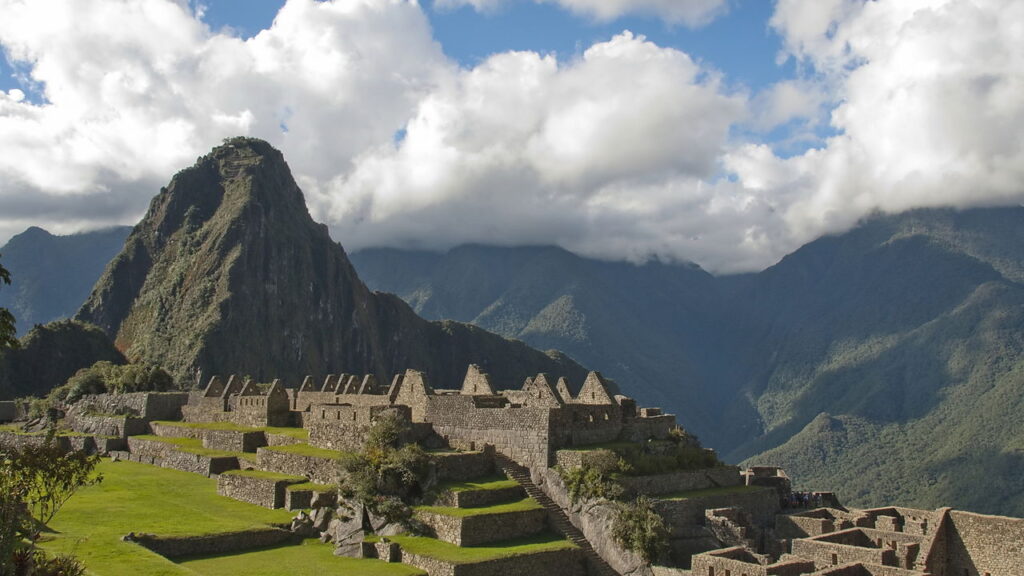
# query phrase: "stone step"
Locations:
[[556, 516]]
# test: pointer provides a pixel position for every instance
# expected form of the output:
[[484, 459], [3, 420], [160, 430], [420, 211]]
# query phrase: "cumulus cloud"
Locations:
[[136, 90], [522, 149], [931, 109], [688, 12], [630, 150]]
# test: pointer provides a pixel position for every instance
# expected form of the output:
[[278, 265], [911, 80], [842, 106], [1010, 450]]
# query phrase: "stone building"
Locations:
[[528, 425]]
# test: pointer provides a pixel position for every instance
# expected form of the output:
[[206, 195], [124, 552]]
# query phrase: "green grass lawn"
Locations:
[[517, 506], [195, 446], [711, 492], [266, 475], [464, 555], [299, 433], [312, 558], [141, 498], [613, 446], [306, 450], [311, 486], [490, 483]]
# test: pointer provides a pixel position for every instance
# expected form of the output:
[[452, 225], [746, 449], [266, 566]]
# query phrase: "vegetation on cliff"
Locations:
[[908, 330], [228, 273], [50, 354]]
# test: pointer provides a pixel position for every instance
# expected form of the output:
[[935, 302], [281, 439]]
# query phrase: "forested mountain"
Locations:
[[227, 273], [877, 362], [886, 363]]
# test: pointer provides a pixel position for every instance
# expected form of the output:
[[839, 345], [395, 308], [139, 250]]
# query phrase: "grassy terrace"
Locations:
[[312, 558], [16, 430], [195, 446], [140, 498], [491, 483], [297, 433], [306, 450], [466, 555], [265, 475], [517, 506], [311, 486], [720, 491], [613, 446]]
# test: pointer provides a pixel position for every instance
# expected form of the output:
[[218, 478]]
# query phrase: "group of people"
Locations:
[[802, 500]]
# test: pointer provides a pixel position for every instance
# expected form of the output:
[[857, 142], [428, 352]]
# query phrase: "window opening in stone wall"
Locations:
[[711, 571], [835, 559]]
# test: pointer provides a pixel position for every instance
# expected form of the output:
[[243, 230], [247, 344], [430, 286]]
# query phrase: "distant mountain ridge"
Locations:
[[228, 273], [903, 337], [52, 275], [886, 362]]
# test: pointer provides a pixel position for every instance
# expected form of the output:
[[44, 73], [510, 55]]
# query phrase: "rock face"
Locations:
[[227, 273]]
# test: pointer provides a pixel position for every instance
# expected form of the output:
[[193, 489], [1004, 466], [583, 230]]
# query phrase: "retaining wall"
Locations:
[[215, 543], [484, 528]]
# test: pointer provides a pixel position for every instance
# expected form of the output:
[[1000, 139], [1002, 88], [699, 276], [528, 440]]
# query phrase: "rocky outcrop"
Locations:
[[228, 273]]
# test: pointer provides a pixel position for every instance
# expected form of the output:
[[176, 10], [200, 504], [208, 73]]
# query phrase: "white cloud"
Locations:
[[523, 149], [931, 108], [136, 90], [632, 150], [688, 12]]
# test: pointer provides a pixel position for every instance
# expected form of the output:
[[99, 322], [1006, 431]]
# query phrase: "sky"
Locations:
[[722, 132]]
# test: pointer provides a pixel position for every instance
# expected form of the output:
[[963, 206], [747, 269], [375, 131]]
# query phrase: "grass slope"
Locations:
[[466, 555], [312, 558], [140, 498]]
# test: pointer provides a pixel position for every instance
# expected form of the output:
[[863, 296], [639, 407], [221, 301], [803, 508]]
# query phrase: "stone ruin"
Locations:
[[528, 425]]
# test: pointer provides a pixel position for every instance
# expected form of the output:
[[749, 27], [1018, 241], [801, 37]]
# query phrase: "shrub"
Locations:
[[637, 527], [385, 477], [593, 479]]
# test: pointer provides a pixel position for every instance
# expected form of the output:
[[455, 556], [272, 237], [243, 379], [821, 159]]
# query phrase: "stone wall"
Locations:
[[793, 526], [233, 440], [593, 518], [583, 424], [554, 563], [8, 411], [224, 543], [120, 426], [478, 498], [846, 547], [520, 433], [22, 440], [167, 456], [319, 470], [640, 429], [261, 491], [462, 466], [762, 505], [484, 528], [146, 405], [682, 481], [977, 544]]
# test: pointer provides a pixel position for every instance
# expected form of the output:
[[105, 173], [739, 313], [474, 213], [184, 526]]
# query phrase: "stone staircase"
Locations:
[[557, 519]]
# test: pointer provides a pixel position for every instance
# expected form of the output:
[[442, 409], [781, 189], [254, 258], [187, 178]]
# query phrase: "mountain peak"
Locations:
[[227, 273]]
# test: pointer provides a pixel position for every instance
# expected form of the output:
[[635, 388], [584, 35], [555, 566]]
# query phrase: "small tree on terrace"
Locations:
[[7, 330], [386, 477], [35, 481]]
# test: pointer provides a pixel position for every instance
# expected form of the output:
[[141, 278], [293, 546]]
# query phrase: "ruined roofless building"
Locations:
[[527, 425]]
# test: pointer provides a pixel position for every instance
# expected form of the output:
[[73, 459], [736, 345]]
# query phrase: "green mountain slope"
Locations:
[[227, 273], [49, 355], [907, 330], [52, 275], [657, 329]]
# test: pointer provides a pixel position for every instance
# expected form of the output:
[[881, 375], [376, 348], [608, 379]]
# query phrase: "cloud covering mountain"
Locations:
[[629, 150]]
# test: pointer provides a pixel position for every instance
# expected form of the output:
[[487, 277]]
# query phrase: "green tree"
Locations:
[[639, 528], [35, 481], [8, 333], [387, 476]]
